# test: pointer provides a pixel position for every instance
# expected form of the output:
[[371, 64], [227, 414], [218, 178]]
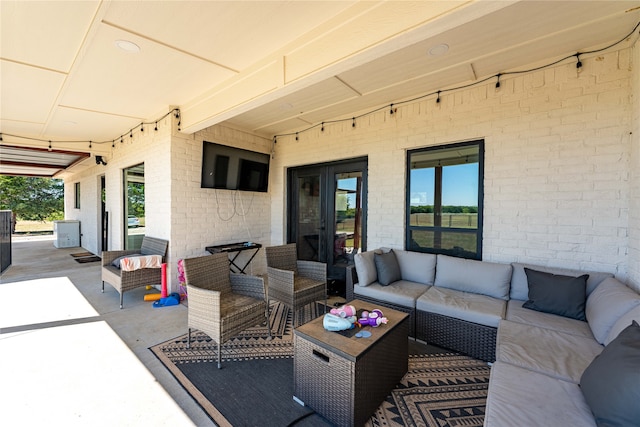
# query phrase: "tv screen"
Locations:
[[233, 168]]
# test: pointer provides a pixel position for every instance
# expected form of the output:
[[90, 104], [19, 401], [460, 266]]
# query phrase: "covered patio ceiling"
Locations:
[[74, 72]]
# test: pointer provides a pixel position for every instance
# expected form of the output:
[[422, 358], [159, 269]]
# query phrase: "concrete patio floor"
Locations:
[[70, 356]]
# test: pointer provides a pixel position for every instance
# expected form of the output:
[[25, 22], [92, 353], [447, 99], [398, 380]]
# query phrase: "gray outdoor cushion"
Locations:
[[480, 277], [611, 383], [518, 397], [416, 266], [557, 294], [520, 286], [606, 304], [365, 268], [558, 354], [516, 313], [622, 323], [475, 308], [401, 292], [387, 268]]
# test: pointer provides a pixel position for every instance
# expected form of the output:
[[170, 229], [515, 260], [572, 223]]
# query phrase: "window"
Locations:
[[444, 199], [76, 203]]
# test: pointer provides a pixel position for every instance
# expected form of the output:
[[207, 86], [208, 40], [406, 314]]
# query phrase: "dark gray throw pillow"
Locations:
[[556, 294], [387, 267], [611, 383]]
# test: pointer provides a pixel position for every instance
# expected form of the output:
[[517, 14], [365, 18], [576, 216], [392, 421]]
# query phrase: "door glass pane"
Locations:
[[348, 218], [309, 222], [134, 217]]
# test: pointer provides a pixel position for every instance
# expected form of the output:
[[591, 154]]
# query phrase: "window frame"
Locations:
[[76, 195], [478, 231]]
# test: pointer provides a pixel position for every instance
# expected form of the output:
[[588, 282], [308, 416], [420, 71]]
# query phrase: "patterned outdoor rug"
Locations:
[[255, 384]]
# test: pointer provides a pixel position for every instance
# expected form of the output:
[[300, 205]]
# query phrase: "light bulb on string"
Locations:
[[156, 128], [579, 63], [50, 145], [353, 122], [322, 128], [438, 98], [141, 127], [391, 109], [498, 82]]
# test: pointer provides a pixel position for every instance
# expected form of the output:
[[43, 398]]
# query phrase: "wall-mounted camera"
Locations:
[[100, 161]]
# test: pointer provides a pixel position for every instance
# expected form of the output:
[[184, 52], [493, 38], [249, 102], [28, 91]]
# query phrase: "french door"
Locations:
[[327, 213]]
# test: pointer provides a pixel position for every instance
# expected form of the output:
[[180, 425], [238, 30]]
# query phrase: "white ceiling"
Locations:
[[270, 67]]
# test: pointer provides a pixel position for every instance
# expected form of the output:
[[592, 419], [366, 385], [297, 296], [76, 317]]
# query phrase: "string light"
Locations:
[[579, 63], [479, 82], [296, 136], [321, 129], [174, 111], [391, 109], [50, 146]]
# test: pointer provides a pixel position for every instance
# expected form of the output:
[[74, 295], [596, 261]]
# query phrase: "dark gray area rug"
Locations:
[[255, 385]]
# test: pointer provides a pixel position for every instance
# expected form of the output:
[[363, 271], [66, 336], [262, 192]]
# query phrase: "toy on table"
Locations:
[[373, 318], [344, 311], [334, 323]]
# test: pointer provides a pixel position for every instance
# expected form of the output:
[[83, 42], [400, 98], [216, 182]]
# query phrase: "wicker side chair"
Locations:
[[125, 281], [294, 282], [221, 303]]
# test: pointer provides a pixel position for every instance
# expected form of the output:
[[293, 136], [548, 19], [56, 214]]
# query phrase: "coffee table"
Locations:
[[345, 378]]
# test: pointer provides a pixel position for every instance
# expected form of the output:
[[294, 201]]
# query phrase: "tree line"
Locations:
[[32, 198], [445, 209]]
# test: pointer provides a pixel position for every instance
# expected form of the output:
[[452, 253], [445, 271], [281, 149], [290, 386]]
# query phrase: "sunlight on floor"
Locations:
[[42, 300]]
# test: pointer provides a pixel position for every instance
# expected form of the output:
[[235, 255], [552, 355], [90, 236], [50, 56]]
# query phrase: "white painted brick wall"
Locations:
[[203, 217], [557, 163], [634, 205]]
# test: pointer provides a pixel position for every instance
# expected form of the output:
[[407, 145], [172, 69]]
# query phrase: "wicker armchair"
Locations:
[[294, 282], [125, 281], [221, 303]]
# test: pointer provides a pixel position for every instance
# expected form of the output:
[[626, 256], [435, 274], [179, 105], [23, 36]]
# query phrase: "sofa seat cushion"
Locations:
[[557, 354], [517, 313], [479, 277], [474, 308], [520, 397], [520, 285], [606, 304], [402, 292]]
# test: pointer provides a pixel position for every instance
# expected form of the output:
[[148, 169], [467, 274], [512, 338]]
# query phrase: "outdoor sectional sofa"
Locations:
[[480, 309]]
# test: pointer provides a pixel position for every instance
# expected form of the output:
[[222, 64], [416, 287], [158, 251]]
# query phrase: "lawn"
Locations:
[[34, 227]]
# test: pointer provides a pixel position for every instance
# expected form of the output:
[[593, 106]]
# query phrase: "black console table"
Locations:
[[237, 248]]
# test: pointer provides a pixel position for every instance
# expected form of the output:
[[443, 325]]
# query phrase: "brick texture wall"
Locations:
[[558, 162]]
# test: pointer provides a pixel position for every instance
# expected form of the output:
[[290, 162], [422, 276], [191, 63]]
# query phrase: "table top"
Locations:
[[233, 247], [350, 347]]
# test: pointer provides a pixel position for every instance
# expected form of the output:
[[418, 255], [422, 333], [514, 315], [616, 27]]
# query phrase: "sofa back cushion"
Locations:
[[606, 304], [365, 268], [622, 323], [416, 266], [387, 268], [520, 286], [557, 294], [480, 277]]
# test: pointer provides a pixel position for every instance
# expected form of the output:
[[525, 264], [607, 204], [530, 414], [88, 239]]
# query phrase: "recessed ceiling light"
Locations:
[[439, 49], [127, 46]]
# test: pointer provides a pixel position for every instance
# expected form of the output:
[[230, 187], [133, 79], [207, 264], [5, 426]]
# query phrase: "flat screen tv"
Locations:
[[233, 168]]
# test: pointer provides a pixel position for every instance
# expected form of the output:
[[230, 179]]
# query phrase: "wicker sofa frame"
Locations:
[[472, 339], [124, 281]]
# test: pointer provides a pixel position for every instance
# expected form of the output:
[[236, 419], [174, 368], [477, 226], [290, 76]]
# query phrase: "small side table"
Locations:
[[236, 248]]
